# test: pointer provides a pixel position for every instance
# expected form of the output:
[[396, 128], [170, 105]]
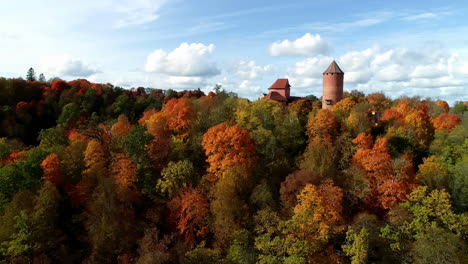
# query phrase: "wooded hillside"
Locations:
[[92, 173]]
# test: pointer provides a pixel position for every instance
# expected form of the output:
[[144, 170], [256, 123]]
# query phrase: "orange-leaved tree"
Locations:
[[415, 121], [378, 101], [180, 116], [124, 172], [95, 156], [51, 167], [319, 213], [388, 186], [188, 214], [392, 117], [121, 128], [159, 147], [342, 109], [375, 158], [446, 122], [146, 115], [419, 126], [96, 165], [443, 105], [226, 146], [322, 125]]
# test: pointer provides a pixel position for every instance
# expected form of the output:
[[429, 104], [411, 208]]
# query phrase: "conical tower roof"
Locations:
[[333, 68]]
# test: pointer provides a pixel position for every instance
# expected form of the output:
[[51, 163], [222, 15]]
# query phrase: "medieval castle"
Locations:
[[332, 88]]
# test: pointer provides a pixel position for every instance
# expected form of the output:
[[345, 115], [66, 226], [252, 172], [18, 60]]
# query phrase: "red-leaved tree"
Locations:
[[51, 167], [188, 214]]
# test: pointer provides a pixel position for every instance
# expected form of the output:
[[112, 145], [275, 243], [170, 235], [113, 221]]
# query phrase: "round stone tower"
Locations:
[[332, 86]]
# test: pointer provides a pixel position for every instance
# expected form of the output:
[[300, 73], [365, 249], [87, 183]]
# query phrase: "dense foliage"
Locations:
[[91, 173]]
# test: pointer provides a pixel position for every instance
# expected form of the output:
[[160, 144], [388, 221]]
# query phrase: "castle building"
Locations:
[[280, 90], [332, 86]]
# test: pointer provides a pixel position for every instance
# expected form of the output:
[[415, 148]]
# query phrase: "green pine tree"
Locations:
[[31, 75]]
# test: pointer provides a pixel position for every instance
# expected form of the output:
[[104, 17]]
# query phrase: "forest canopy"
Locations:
[[92, 173]]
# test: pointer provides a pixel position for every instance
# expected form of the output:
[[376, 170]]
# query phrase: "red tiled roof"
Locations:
[[333, 68], [280, 84], [275, 96]]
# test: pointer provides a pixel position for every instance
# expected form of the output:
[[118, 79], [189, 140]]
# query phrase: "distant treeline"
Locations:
[[27, 107]]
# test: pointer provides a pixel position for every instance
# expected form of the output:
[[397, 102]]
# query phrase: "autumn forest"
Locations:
[[93, 173]]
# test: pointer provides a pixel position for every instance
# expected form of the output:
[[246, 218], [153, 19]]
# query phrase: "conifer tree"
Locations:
[[31, 75], [42, 77]]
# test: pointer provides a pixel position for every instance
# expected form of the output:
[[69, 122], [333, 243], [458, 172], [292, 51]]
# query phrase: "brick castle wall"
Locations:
[[284, 92]]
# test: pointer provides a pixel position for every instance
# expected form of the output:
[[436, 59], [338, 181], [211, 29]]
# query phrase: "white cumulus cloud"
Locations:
[[246, 78], [312, 67], [357, 76], [307, 45], [66, 66], [248, 69], [189, 60], [427, 71], [184, 82], [392, 72], [246, 86], [306, 76], [458, 65], [430, 71]]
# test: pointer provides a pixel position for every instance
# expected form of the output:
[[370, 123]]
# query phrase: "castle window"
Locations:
[[328, 101]]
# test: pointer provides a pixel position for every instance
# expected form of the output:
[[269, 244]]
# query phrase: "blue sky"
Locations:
[[400, 48]]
